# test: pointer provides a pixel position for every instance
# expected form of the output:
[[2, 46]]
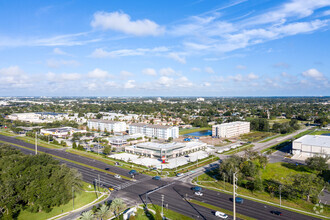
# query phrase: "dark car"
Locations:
[[239, 200], [132, 172], [276, 212], [107, 168], [196, 188], [156, 178]]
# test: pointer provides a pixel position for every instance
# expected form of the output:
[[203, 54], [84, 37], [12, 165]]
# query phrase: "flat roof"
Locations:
[[232, 123], [105, 121], [150, 125], [173, 145], [315, 140]]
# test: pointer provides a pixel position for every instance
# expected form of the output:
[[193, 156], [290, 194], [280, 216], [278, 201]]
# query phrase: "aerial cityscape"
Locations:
[[172, 110]]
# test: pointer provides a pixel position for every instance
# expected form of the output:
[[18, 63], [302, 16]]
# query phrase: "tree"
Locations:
[[107, 150], [103, 212], [88, 215], [318, 163], [74, 145], [117, 205]]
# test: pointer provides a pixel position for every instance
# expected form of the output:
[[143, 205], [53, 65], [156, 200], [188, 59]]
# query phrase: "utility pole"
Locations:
[[197, 168], [98, 145], [280, 196], [36, 142], [99, 182], [162, 205], [72, 198], [234, 195]]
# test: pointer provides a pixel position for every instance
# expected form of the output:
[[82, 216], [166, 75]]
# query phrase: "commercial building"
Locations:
[[106, 125], [311, 145], [169, 150], [232, 129], [61, 132], [158, 131]]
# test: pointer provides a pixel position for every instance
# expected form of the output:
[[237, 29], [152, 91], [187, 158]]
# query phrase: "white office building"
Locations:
[[169, 150], [232, 129], [106, 125], [311, 145], [159, 131]]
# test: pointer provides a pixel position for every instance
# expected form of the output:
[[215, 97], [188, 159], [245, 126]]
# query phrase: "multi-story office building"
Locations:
[[106, 125], [232, 129], [159, 131], [311, 145]]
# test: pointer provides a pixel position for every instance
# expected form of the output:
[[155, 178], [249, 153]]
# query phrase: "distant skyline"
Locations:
[[165, 48]]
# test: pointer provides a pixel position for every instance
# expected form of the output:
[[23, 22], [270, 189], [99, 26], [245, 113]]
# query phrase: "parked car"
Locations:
[[221, 214], [198, 193], [239, 200], [156, 178], [117, 176], [276, 212], [196, 188], [117, 164], [179, 174]]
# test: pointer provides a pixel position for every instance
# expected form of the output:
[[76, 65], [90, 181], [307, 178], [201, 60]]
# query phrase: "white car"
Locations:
[[221, 214], [198, 193], [117, 176]]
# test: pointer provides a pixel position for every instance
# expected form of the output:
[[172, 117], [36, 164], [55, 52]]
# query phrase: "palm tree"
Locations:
[[87, 215], [117, 205], [103, 212]]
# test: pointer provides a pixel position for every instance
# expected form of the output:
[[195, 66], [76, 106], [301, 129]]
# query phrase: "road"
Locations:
[[175, 194]]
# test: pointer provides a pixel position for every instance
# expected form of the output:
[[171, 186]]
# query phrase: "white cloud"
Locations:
[[183, 82], [59, 63], [206, 84], [252, 76], [209, 70], [70, 76], [101, 53], [91, 86], [177, 57], [111, 84], [125, 74], [241, 67], [119, 21], [14, 77], [237, 78], [313, 73], [130, 84], [281, 65], [326, 13], [167, 71], [165, 81], [149, 71], [63, 77], [195, 69], [58, 51], [98, 74], [11, 71]]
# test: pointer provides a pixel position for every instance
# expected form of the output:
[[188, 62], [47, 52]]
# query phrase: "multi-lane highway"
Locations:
[[176, 192]]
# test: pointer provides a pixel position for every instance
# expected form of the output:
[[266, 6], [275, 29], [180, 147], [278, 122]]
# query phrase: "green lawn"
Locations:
[[142, 215], [233, 151], [191, 130], [81, 199], [276, 147], [275, 171], [304, 133], [40, 142], [6, 133], [320, 132], [256, 136], [215, 208], [271, 138]]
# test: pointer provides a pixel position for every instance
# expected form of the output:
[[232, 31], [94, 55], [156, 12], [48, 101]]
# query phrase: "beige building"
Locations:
[[232, 129]]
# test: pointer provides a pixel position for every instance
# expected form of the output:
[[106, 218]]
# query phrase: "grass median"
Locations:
[[192, 130], [72, 161], [216, 208]]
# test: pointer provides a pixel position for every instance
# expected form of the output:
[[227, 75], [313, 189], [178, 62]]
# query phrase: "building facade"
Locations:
[[169, 150], [311, 145], [158, 131], [61, 132], [106, 125], [232, 129]]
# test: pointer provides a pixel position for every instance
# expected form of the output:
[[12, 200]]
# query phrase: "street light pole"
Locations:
[[234, 195], [72, 198], [36, 143], [280, 196], [162, 205]]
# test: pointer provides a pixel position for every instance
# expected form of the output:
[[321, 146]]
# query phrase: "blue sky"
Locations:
[[165, 48]]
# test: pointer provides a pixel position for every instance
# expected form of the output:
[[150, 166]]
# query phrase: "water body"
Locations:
[[327, 134], [199, 133]]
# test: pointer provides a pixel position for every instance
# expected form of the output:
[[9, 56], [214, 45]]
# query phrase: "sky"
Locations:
[[165, 48]]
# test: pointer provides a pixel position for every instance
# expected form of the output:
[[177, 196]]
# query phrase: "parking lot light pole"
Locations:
[[36, 143], [162, 205]]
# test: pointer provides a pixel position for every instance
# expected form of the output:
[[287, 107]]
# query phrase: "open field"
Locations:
[[81, 199], [320, 132], [256, 136], [6, 133], [191, 130], [239, 149]]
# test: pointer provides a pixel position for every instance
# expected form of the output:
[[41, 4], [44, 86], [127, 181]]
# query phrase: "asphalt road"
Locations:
[[174, 194]]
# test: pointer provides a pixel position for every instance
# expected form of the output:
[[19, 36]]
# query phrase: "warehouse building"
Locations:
[[311, 145], [106, 125], [61, 132], [169, 150], [158, 131], [232, 129]]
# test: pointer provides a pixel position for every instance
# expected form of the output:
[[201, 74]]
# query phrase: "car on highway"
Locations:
[[107, 168], [239, 200], [156, 178], [179, 174], [117, 176], [132, 172], [276, 212], [221, 214], [198, 193], [196, 188], [111, 189]]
